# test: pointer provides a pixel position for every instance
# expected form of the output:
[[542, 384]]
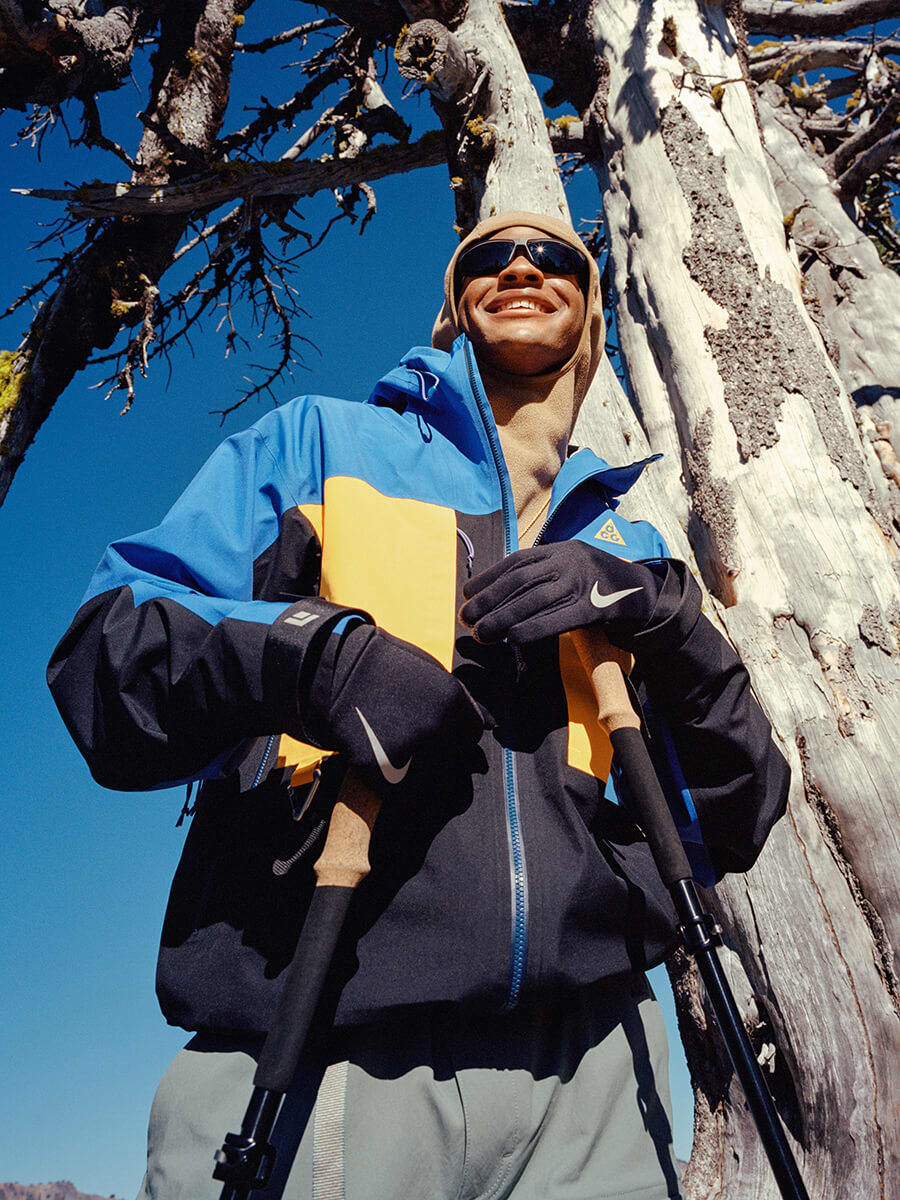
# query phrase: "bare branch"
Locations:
[[244, 180], [790, 16], [238, 180], [85, 310], [793, 58], [92, 133], [136, 351], [310, 135], [883, 124], [60, 267], [269, 117], [855, 177], [300, 33]]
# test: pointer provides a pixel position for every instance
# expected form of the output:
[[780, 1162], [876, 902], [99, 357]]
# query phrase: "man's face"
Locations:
[[524, 321]]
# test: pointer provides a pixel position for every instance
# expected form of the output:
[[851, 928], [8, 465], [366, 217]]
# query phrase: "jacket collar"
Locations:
[[434, 378]]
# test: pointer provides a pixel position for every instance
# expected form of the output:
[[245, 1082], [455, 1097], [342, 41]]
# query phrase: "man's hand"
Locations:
[[552, 589], [381, 699]]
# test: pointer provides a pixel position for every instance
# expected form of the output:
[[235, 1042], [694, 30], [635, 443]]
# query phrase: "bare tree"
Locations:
[[748, 195]]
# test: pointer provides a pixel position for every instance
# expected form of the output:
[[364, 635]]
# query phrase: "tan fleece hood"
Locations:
[[576, 373]]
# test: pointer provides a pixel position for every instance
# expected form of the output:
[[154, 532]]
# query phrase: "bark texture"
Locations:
[[782, 502], [498, 151], [852, 296]]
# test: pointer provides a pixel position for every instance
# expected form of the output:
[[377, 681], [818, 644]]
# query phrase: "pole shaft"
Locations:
[[604, 665], [245, 1160]]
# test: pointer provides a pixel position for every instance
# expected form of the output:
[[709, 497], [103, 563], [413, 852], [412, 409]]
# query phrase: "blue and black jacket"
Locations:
[[497, 874]]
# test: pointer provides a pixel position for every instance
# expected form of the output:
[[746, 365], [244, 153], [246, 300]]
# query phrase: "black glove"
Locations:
[[552, 589], [378, 700]]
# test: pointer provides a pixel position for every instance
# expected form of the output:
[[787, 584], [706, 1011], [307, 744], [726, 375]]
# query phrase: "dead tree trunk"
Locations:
[[787, 512]]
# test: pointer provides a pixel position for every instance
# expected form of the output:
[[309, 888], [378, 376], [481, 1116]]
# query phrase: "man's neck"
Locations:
[[534, 437]]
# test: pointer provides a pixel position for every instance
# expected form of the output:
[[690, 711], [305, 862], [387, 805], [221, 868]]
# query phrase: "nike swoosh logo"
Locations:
[[391, 773], [600, 601], [281, 866]]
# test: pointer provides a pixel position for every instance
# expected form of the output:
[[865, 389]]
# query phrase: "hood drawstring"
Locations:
[[470, 550], [420, 375]]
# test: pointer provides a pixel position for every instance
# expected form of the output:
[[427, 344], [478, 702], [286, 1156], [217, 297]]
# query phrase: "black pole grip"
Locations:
[[650, 804], [302, 988]]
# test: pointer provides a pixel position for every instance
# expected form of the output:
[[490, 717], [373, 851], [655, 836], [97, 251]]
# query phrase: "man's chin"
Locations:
[[519, 360]]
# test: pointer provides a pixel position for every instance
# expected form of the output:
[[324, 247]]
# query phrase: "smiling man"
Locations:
[[391, 586]]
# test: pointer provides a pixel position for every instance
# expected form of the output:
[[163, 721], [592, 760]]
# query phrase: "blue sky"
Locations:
[[86, 871]]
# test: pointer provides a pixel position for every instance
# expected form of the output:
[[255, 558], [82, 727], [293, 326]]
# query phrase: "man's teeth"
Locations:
[[520, 304]]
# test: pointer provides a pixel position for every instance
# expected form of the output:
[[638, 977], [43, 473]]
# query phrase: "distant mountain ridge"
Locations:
[[63, 1190]]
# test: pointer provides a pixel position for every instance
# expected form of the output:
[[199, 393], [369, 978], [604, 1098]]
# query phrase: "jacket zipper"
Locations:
[[518, 875]]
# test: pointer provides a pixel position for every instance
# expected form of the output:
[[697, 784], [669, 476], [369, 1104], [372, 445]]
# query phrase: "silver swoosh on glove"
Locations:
[[391, 773], [600, 601]]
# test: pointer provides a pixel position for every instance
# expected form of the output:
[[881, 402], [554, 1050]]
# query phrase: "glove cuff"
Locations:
[[299, 652], [675, 613]]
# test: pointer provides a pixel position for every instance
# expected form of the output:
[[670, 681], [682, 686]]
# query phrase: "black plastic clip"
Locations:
[[243, 1162]]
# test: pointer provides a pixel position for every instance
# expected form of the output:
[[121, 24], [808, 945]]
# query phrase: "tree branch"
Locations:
[[122, 264], [787, 16], [245, 180], [428, 53], [792, 58], [269, 116], [52, 59], [883, 124], [855, 177], [240, 180], [299, 34]]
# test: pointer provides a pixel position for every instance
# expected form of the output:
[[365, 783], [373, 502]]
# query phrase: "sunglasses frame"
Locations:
[[582, 273]]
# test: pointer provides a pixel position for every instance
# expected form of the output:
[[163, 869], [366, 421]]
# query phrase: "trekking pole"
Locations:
[[605, 665], [245, 1161]]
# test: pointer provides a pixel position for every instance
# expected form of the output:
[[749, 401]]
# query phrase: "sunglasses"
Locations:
[[548, 255]]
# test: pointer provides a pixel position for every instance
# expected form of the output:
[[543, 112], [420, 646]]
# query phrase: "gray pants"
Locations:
[[566, 1100]]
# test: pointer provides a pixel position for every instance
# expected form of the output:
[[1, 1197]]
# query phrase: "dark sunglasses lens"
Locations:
[[556, 257], [487, 258]]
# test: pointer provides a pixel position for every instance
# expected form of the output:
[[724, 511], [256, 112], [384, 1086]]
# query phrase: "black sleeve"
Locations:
[[709, 736], [187, 644]]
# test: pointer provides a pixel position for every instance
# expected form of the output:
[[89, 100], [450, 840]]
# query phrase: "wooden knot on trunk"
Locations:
[[430, 54]]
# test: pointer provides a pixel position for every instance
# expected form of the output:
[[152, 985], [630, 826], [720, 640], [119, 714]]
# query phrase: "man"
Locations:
[[392, 586]]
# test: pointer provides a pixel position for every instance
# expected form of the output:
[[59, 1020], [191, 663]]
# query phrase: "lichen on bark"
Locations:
[[766, 350], [874, 631], [15, 368], [713, 505]]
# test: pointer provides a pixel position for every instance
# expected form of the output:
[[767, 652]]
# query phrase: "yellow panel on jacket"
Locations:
[[395, 558]]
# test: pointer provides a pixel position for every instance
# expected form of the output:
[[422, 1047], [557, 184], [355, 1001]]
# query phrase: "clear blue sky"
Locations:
[[86, 871]]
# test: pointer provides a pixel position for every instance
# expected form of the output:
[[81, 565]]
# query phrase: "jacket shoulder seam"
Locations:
[[278, 467]]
